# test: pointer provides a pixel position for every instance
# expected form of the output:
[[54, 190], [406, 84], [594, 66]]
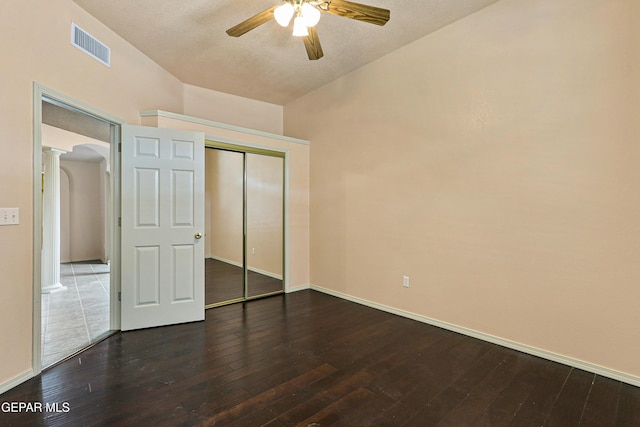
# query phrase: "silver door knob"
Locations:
[[198, 236]]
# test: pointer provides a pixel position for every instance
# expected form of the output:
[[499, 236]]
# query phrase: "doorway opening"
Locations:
[[75, 236], [244, 226], [77, 313]]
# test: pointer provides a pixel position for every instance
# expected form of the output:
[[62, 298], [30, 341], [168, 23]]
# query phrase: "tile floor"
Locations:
[[74, 318]]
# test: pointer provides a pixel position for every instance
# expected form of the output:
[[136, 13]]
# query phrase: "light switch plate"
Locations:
[[9, 216]]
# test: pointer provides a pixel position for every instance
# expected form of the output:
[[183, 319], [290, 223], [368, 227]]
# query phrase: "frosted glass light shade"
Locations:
[[299, 29], [310, 14], [283, 14]]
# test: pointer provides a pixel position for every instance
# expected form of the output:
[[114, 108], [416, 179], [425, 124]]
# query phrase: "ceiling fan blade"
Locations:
[[251, 23], [359, 12], [312, 44]]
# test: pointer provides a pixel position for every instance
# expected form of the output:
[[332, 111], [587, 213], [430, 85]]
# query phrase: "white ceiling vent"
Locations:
[[90, 45]]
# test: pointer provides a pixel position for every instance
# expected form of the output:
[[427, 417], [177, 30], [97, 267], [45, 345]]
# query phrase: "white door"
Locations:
[[162, 206]]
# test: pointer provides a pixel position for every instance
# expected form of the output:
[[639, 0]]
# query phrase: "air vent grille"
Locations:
[[90, 45]]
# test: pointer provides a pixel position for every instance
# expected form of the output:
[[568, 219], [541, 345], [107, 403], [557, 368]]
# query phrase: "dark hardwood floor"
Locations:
[[310, 359], [224, 282]]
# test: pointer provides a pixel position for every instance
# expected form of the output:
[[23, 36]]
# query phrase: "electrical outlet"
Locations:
[[9, 216], [253, 251], [405, 281]]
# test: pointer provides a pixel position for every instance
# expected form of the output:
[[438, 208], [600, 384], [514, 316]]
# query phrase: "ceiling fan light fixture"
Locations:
[[299, 28], [283, 14], [307, 14], [310, 14]]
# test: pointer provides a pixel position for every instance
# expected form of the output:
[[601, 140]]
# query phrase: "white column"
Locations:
[[51, 223]]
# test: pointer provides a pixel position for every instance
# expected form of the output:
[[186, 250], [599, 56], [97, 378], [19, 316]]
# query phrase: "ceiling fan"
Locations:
[[306, 14]]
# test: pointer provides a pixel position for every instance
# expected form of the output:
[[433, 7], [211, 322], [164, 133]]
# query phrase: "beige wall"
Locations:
[[65, 225], [223, 205], [85, 237], [35, 46], [495, 162], [232, 109]]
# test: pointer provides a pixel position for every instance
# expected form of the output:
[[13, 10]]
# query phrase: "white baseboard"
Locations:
[[298, 288], [555, 357], [98, 259], [16, 381], [228, 261], [239, 264], [265, 273]]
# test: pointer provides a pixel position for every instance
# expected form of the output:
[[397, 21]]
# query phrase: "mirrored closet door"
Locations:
[[244, 211], [264, 224], [224, 207]]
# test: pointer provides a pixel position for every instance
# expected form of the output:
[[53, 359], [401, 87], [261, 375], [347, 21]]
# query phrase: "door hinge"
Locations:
[[119, 221], [119, 147], [119, 296]]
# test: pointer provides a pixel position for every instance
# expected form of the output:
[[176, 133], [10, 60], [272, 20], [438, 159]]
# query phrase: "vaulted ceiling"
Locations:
[[187, 38]]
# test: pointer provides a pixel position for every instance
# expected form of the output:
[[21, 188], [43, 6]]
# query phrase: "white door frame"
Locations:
[[41, 92]]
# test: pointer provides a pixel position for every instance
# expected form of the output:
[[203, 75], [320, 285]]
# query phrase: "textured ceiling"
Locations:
[[187, 38]]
